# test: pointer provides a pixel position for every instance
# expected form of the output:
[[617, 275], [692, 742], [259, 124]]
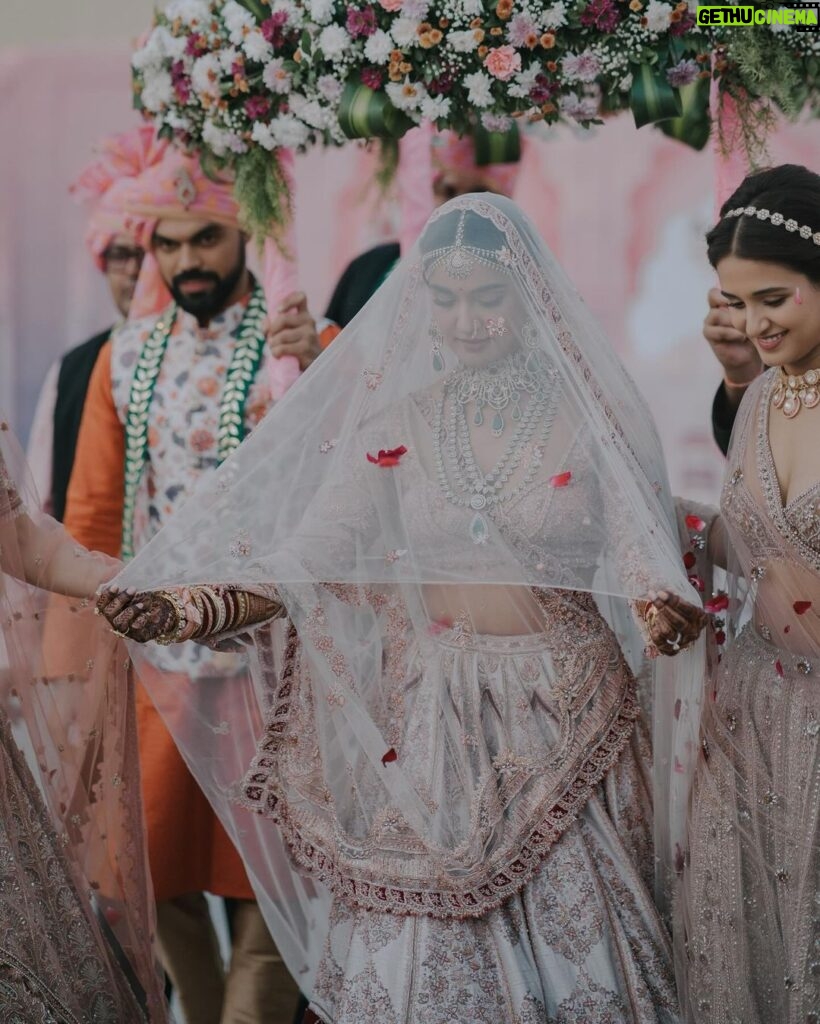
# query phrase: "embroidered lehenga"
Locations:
[[75, 922], [443, 735], [752, 897]]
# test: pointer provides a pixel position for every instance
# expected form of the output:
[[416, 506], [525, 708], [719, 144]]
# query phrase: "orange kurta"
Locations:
[[188, 849]]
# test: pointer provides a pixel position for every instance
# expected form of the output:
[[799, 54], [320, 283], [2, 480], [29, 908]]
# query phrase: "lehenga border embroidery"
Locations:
[[260, 794]]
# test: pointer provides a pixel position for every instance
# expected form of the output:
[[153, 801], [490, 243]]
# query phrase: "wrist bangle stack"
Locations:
[[175, 635]]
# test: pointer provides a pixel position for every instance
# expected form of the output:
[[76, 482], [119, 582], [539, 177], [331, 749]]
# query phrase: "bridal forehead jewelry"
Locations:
[[460, 259], [777, 219]]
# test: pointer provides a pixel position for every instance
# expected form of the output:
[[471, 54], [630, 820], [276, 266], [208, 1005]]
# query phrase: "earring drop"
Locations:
[[798, 298], [438, 358]]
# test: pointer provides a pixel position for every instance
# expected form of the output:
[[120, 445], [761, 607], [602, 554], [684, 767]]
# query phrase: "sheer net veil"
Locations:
[[468, 450], [67, 734]]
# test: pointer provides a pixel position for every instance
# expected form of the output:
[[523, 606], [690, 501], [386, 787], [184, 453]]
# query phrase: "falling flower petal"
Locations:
[[801, 607], [718, 603], [439, 626], [390, 756], [787, 629], [395, 555], [698, 583], [695, 523], [560, 480], [387, 458], [689, 561], [677, 709], [778, 667], [720, 637], [678, 766]]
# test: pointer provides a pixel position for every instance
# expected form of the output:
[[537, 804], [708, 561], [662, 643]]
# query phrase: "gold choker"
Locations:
[[792, 393]]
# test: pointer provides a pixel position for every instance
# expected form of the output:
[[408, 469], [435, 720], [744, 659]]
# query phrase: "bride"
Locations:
[[428, 572]]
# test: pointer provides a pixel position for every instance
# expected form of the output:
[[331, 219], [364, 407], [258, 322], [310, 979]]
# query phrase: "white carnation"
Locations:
[[227, 59], [179, 122], [152, 52], [554, 16], [522, 84], [215, 137], [192, 12], [469, 8], [478, 85], [329, 88], [406, 95], [378, 47], [205, 76], [404, 31], [256, 47], [309, 111], [157, 91], [289, 132], [238, 20], [434, 107], [321, 11], [276, 78], [262, 134], [333, 41], [462, 42], [658, 16]]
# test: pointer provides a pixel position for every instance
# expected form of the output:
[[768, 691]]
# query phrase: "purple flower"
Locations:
[[521, 30], [273, 28], [180, 82], [543, 90], [442, 84], [416, 10], [581, 67], [195, 45], [683, 73], [372, 78], [361, 22], [601, 14], [257, 107], [686, 24]]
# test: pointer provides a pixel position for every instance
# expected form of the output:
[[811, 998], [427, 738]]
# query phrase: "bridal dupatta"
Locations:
[[76, 910]]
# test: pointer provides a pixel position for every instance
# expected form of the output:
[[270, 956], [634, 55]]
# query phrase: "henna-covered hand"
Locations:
[[138, 616], [673, 623]]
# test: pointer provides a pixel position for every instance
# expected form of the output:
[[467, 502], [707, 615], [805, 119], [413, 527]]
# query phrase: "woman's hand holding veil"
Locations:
[[672, 623]]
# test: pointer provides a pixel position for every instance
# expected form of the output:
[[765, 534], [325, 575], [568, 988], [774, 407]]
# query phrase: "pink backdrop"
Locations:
[[624, 210]]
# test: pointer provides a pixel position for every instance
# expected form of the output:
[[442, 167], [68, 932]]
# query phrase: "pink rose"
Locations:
[[391, 5], [503, 62]]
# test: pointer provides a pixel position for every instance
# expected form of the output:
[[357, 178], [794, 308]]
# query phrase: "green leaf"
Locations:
[[260, 10]]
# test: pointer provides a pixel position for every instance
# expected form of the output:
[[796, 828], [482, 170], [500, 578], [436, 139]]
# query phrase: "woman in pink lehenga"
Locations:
[[751, 903], [75, 920], [459, 507]]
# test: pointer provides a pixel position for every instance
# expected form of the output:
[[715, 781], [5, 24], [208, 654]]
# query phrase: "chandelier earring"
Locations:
[[438, 340], [532, 361]]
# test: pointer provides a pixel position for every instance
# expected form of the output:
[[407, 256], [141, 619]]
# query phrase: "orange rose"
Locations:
[[496, 31], [548, 40], [504, 9]]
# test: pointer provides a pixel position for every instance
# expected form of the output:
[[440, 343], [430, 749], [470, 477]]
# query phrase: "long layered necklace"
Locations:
[[791, 392], [460, 477], [247, 355]]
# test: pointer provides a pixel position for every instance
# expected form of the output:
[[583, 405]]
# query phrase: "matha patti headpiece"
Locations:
[[459, 259], [777, 219]]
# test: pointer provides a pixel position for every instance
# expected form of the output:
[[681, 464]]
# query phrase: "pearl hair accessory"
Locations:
[[778, 220]]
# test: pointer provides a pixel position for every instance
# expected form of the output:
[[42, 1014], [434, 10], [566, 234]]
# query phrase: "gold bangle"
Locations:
[[174, 635]]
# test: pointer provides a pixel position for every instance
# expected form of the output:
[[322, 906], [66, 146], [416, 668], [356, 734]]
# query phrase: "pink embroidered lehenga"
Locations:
[[436, 767], [752, 897], [75, 909]]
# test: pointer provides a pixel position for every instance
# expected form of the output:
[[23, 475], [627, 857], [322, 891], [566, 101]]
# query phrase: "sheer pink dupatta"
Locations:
[[66, 698]]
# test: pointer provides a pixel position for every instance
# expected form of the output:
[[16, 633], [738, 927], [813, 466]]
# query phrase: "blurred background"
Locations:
[[624, 210]]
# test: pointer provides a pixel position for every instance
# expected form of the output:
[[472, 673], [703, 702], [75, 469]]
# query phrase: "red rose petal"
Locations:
[[787, 629], [778, 667], [697, 583], [718, 603], [560, 480], [801, 607], [387, 457], [695, 523], [390, 756], [720, 637], [689, 560]]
